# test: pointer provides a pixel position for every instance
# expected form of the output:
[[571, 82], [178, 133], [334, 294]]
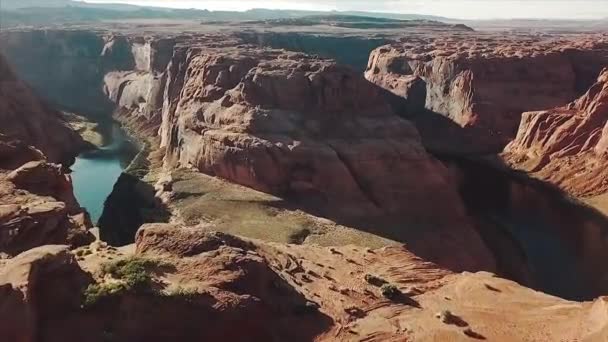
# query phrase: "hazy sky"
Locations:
[[469, 9]]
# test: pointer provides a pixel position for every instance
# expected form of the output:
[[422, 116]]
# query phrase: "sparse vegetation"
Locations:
[[95, 292], [390, 291], [187, 294], [134, 272], [375, 280], [131, 274]]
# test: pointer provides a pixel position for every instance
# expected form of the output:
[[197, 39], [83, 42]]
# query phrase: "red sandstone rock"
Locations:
[[36, 200], [314, 132], [14, 153], [26, 118], [246, 290], [482, 84], [36, 287], [567, 145]]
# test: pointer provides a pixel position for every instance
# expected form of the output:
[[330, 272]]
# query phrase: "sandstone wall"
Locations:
[[32, 121], [567, 145], [483, 84], [37, 205]]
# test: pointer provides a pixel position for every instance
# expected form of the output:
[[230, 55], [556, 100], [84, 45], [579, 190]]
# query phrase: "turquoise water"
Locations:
[[95, 172]]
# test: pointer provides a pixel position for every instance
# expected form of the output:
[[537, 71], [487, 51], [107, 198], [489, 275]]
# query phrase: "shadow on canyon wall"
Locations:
[[562, 242], [539, 236], [67, 67], [131, 204], [349, 50]]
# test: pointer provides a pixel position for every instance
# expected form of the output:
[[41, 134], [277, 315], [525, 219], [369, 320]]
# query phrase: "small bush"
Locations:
[[187, 294], [132, 274], [95, 292], [133, 271], [374, 280], [390, 291]]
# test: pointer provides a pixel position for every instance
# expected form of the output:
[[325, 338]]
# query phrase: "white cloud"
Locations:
[[469, 9]]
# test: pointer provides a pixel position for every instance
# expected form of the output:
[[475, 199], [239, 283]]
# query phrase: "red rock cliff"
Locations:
[[311, 131], [482, 83], [568, 145], [37, 205], [26, 118]]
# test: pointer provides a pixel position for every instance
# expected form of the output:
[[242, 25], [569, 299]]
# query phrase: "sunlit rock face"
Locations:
[[482, 84], [567, 145], [37, 205], [310, 130]]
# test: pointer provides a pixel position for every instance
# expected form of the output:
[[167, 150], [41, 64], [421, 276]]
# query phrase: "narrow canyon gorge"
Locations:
[[286, 181]]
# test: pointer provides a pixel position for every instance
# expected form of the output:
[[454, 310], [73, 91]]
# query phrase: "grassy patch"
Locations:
[[183, 293], [95, 292], [134, 272], [128, 275]]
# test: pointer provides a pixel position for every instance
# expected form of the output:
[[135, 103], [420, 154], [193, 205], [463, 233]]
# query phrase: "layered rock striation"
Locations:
[[270, 291], [567, 146], [312, 132], [138, 91], [475, 87], [37, 205]]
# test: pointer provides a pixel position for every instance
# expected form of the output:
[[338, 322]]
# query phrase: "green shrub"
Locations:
[[134, 272], [375, 280], [131, 274], [95, 292], [390, 291]]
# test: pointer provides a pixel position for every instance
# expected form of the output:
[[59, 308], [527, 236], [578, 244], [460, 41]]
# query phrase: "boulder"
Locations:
[[36, 287]]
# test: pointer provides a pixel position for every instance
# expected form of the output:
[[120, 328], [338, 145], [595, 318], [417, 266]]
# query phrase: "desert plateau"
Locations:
[[301, 175]]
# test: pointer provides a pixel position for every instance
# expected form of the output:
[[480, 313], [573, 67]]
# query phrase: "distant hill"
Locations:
[[46, 12], [356, 22], [15, 4]]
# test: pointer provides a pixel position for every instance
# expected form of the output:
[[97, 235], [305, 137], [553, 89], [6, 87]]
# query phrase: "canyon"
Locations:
[[306, 182]]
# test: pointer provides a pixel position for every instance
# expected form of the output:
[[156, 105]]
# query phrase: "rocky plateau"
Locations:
[[286, 191]]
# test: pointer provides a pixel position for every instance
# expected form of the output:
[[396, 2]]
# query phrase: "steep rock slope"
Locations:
[[37, 205], [63, 66], [68, 68], [312, 132], [28, 119], [138, 91], [286, 123], [271, 292], [303, 128], [482, 83], [567, 146]]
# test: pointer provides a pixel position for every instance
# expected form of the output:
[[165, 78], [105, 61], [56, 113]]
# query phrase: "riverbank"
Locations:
[[95, 172]]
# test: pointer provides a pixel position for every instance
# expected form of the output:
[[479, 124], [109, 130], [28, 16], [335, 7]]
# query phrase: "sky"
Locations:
[[465, 9]]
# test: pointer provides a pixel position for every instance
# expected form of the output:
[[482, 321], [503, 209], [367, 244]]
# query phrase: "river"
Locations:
[[95, 172]]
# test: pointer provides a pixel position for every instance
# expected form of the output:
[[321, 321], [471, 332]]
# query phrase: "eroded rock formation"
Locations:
[[567, 146], [37, 205], [137, 91], [272, 291], [311, 131], [482, 83], [318, 141], [31, 121]]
